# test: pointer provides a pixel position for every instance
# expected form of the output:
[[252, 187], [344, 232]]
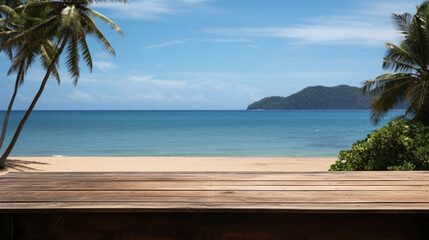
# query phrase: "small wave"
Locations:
[[57, 155]]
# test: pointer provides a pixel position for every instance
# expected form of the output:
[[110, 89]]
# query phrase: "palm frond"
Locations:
[[9, 13], [419, 37], [418, 94], [109, 22], [85, 52], [375, 86], [56, 74], [5, 34], [418, 103], [72, 59], [396, 66], [40, 6], [37, 29], [105, 1], [93, 30], [21, 54], [11, 3], [20, 75], [9, 53], [70, 20], [403, 22], [400, 55], [14, 67], [46, 56], [390, 94]]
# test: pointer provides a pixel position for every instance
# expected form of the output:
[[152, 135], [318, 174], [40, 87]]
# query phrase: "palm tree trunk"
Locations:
[[9, 109], [33, 103]]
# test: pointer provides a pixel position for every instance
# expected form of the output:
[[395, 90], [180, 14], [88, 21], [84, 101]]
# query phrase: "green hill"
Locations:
[[318, 97]]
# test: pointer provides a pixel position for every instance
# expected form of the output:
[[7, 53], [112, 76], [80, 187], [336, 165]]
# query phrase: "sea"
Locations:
[[241, 133]]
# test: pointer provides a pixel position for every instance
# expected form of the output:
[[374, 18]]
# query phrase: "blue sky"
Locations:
[[220, 54]]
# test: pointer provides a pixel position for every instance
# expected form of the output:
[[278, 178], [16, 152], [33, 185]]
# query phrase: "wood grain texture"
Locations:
[[212, 191], [218, 205]]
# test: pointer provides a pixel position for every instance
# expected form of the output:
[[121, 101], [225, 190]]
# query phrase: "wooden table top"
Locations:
[[384, 192]]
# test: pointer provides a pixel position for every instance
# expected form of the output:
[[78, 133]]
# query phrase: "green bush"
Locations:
[[400, 145]]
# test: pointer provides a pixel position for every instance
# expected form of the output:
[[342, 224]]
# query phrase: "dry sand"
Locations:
[[95, 164]]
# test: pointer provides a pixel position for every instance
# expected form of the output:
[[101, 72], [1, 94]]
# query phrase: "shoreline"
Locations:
[[164, 164]]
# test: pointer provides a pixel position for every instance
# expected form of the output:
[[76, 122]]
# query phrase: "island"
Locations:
[[318, 97]]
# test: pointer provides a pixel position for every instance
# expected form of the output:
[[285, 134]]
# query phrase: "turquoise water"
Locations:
[[192, 133]]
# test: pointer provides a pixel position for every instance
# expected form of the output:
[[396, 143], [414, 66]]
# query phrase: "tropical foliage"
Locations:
[[46, 29], [24, 54], [409, 62], [400, 145]]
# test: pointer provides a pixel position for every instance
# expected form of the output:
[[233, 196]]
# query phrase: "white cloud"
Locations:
[[8, 85], [22, 98], [188, 40], [158, 82], [227, 40], [386, 8], [191, 98], [248, 90], [104, 66], [80, 96], [147, 96], [152, 9], [327, 34], [50, 99], [218, 40], [102, 55], [195, 1], [369, 25], [143, 9], [165, 44], [142, 78], [169, 83]]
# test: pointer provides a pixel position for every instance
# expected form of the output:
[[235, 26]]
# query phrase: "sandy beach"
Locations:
[[123, 164]]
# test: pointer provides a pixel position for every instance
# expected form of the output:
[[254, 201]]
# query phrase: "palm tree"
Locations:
[[68, 23], [409, 61], [22, 55], [6, 13]]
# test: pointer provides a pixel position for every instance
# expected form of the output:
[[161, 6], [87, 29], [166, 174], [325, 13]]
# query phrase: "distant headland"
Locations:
[[318, 97]]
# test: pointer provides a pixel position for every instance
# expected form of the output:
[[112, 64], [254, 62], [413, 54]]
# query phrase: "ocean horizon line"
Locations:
[[185, 110]]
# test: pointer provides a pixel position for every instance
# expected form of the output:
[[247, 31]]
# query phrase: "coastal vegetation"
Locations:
[[319, 97], [402, 144], [44, 30], [409, 60]]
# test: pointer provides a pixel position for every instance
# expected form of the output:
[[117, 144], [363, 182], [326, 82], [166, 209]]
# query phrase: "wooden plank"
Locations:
[[351, 207], [338, 176], [235, 173], [201, 191], [6, 184], [218, 196], [217, 205], [167, 186]]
